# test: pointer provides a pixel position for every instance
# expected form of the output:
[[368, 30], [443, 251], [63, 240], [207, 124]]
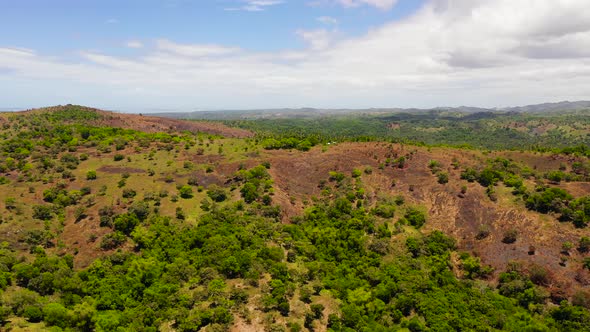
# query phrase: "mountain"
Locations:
[[552, 107]]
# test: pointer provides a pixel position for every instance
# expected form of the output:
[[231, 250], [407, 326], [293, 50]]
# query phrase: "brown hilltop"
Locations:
[[146, 123]]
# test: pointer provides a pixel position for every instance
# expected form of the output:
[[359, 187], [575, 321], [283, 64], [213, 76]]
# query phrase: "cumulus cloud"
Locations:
[[327, 20], [255, 5], [381, 4], [450, 52], [194, 50], [134, 44], [317, 39]]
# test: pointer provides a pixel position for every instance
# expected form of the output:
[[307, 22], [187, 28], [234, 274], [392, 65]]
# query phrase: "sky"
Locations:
[[154, 55]]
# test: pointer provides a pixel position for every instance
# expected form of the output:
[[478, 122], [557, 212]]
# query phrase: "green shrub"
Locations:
[[415, 217], [186, 192], [91, 175]]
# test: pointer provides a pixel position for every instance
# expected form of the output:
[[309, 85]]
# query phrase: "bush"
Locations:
[[193, 180], [91, 175], [469, 174], [582, 299], [415, 217], [125, 223], [140, 209], [539, 275], [118, 157], [33, 314], [249, 192], [489, 177], [317, 310], [180, 213], [443, 177], [336, 176], [112, 241], [129, 193], [10, 203], [216, 193], [510, 236], [185, 192], [42, 212], [584, 245], [483, 231], [80, 213], [473, 268], [549, 200], [56, 314], [384, 210]]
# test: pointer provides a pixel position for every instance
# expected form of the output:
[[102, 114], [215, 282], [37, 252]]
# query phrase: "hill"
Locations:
[[74, 114], [308, 112], [127, 222]]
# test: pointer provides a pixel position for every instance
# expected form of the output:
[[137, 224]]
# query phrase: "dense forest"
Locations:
[[488, 130], [119, 228]]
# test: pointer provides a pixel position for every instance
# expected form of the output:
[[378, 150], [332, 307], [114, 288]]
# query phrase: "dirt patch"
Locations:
[[120, 169], [159, 124]]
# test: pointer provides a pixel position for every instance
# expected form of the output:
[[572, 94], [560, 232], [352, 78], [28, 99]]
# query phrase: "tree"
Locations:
[[249, 192], [42, 212], [185, 191], [317, 310], [33, 314], [216, 193], [126, 223], [112, 241], [415, 217], [56, 314], [91, 175]]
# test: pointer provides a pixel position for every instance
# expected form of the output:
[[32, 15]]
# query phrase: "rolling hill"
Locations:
[[132, 222]]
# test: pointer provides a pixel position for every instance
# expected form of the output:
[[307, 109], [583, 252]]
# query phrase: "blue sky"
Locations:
[[61, 27], [241, 54]]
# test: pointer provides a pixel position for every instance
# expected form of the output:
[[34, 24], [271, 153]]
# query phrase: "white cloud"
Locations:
[[317, 39], [381, 4], [134, 44], [112, 21], [450, 52], [255, 5], [194, 50], [327, 20]]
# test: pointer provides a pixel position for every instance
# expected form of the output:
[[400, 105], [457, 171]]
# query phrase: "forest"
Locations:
[[481, 130], [330, 224]]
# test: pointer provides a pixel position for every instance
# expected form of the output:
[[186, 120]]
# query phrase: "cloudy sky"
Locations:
[[140, 55]]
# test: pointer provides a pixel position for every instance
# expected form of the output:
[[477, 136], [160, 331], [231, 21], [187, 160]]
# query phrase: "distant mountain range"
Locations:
[[318, 112], [552, 107]]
